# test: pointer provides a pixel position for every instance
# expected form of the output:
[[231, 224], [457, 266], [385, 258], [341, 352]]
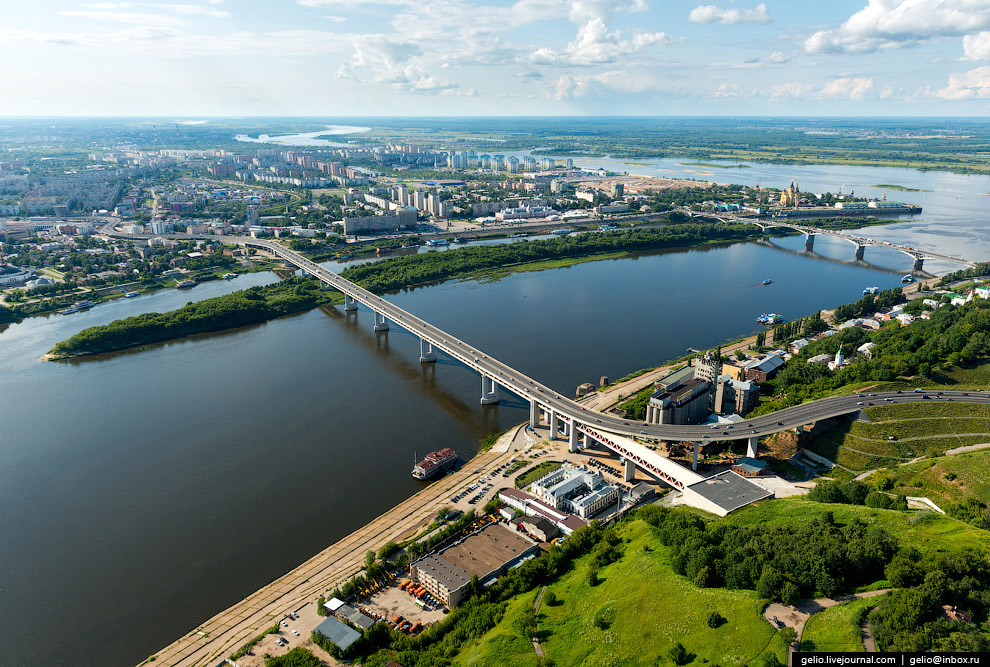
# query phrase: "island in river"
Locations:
[[259, 304]]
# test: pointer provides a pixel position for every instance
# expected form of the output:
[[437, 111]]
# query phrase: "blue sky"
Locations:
[[495, 57]]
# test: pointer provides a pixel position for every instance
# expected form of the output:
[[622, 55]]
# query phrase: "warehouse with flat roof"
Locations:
[[485, 553]]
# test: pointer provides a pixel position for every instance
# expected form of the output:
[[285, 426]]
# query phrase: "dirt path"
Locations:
[[796, 616], [869, 643]]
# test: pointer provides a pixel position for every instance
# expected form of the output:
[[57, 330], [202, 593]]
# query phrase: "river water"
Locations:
[[143, 492]]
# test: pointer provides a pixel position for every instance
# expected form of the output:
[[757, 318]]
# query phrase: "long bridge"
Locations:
[[566, 417], [810, 232]]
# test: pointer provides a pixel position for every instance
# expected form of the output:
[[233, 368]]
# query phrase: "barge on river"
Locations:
[[435, 463]]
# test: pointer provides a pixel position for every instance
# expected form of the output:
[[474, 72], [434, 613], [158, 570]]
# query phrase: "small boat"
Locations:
[[767, 281], [185, 284], [343, 256], [78, 306], [131, 295], [229, 276], [561, 232], [907, 279], [437, 242], [407, 246], [458, 239], [769, 319], [871, 290], [518, 235]]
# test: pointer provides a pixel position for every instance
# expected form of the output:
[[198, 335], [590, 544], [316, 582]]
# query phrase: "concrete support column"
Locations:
[[489, 391], [694, 456], [918, 263], [860, 250], [809, 241], [629, 470], [572, 438], [349, 303], [752, 446], [534, 414], [426, 354], [553, 425], [325, 286], [381, 323]]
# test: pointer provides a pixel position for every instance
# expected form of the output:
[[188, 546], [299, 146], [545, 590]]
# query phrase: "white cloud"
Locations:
[[783, 90], [728, 91], [977, 46], [172, 7], [335, 19], [133, 18], [594, 44], [714, 14], [377, 59], [968, 85], [849, 88], [885, 24], [777, 58]]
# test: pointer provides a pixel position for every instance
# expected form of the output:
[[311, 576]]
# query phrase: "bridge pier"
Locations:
[[628, 470], [752, 445], [860, 251], [350, 303], [809, 242], [489, 391], [918, 263], [534, 414], [381, 323], [426, 353], [694, 456], [325, 286], [572, 438], [552, 422]]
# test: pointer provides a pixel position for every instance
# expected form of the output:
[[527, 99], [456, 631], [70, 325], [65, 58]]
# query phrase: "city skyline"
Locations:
[[530, 57]]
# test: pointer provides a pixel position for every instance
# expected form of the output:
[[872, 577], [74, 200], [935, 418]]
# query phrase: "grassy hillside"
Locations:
[[946, 478], [934, 534], [838, 628], [919, 429], [632, 617]]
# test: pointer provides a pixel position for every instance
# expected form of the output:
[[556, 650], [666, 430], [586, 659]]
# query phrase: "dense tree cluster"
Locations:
[[953, 335], [397, 272], [782, 563], [855, 493], [249, 306], [913, 618]]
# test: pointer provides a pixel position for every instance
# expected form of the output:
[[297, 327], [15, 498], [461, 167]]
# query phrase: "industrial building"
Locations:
[[723, 493], [735, 396], [686, 402], [486, 553], [575, 489], [530, 505], [341, 635]]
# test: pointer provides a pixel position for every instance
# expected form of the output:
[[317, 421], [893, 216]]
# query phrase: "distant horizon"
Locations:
[[506, 116]]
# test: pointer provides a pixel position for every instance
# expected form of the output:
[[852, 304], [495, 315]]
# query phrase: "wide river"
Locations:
[[144, 492]]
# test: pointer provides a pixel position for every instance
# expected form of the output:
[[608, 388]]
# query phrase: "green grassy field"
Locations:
[[949, 478], [838, 628], [646, 608], [536, 472], [938, 534], [917, 429]]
